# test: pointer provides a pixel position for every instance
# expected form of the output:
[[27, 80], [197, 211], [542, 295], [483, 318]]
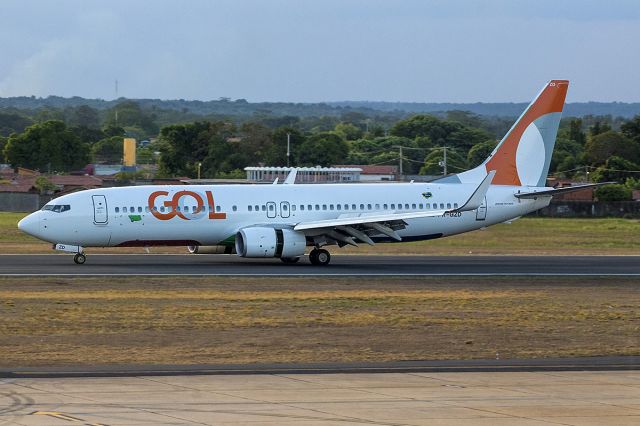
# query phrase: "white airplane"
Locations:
[[281, 221]]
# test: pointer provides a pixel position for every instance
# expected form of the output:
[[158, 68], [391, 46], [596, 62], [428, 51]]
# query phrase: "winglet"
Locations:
[[478, 195], [291, 177]]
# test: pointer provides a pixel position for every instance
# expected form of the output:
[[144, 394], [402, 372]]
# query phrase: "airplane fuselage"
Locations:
[[213, 214]]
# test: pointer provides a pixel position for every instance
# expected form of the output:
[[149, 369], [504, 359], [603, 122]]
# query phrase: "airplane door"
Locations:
[[284, 209], [481, 212], [100, 214], [271, 209]]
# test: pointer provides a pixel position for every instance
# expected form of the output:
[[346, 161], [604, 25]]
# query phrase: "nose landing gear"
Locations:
[[79, 258]]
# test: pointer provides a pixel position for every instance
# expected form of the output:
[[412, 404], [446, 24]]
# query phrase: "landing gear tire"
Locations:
[[79, 258], [289, 259], [319, 257]]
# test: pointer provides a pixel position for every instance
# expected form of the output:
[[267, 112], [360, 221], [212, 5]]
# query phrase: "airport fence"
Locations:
[[22, 202], [624, 209]]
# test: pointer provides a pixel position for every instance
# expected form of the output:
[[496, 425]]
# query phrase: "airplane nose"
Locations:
[[29, 224]]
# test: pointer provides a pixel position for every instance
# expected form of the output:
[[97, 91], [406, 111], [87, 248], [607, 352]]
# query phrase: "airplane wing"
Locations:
[[361, 226], [556, 191]]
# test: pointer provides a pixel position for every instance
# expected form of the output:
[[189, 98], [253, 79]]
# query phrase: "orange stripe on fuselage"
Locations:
[[504, 161]]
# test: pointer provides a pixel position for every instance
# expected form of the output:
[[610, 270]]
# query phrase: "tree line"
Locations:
[[596, 148]]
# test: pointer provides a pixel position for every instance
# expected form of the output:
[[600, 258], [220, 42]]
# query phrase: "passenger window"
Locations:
[[420, 206], [324, 207], [406, 206], [117, 209], [427, 206], [385, 206], [139, 209], [250, 208], [353, 207], [270, 207], [441, 205], [393, 206], [161, 209], [284, 207], [361, 206], [455, 205], [377, 206], [146, 209], [177, 208], [413, 206], [218, 208], [330, 206], [317, 206], [338, 207], [448, 205], [293, 207], [264, 208], [301, 207], [346, 206], [368, 206], [234, 208], [399, 206], [155, 209], [309, 207]]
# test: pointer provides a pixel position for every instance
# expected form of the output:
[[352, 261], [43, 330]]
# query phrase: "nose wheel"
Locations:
[[319, 257], [79, 258]]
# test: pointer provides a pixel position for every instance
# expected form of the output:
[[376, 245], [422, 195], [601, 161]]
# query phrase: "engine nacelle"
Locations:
[[270, 242], [210, 249]]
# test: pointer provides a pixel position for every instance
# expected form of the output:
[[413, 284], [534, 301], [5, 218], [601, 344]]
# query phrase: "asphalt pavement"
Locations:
[[341, 265]]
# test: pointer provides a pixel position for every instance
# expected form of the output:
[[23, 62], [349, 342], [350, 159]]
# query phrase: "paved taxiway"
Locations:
[[150, 264], [514, 399]]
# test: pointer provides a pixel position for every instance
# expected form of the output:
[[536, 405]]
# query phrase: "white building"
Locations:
[[305, 174]]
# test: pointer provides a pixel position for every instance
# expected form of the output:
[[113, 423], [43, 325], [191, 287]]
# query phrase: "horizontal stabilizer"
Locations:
[[557, 191]]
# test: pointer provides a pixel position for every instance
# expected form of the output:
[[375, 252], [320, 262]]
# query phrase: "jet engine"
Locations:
[[270, 242]]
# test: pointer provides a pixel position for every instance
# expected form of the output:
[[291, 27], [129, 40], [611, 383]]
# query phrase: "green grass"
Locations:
[[544, 236]]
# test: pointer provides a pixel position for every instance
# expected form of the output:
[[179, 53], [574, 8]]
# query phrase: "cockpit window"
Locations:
[[57, 208]]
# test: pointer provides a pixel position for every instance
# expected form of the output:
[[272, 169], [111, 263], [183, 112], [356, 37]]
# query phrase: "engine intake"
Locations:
[[270, 242]]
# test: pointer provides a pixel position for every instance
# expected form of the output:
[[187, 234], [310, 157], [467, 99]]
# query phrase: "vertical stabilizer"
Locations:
[[523, 156]]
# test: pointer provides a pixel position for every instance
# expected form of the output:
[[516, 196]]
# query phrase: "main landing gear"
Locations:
[[319, 257], [79, 258]]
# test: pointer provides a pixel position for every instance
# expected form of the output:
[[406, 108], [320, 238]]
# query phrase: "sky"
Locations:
[[321, 50]]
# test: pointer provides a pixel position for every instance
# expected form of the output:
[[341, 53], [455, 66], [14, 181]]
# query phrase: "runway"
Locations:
[[341, 265]]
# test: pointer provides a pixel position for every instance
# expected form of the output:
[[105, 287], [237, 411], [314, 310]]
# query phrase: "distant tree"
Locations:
[[11, 122], [565, 155], [112, 130], [49, 145], [348, 131], [440, 132], [614, 192], [108, 151], [130, 114], [575, 131], [48, 114], [323, 149], [480, 152], [3, 142], [615, 169], [631, 129], [85, 116], [44, 185], [455, 163], [598, 128], [276, 155], [89, 135], [604, 145]]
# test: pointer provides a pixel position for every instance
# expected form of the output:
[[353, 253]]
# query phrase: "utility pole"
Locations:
[[445, 160], [400, 162], [116, 100], [288, 147], [199, 166]]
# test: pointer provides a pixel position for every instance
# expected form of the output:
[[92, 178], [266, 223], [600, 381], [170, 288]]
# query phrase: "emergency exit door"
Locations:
[[481, 213], [100, 213]]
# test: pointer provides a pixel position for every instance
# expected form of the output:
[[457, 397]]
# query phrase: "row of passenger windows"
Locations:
[[301, 207], [162, 209], [354, 207]]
